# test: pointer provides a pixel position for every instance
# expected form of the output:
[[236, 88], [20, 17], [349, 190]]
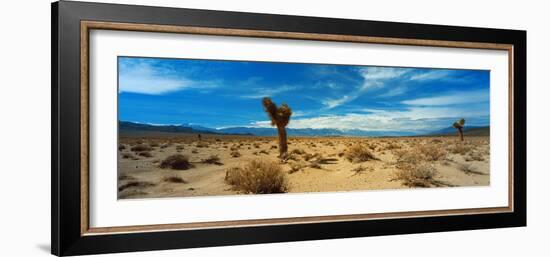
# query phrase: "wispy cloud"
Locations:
[[373, 78], [409, 119], [430, 75], [452, 98], [145, 77], [268, 91]]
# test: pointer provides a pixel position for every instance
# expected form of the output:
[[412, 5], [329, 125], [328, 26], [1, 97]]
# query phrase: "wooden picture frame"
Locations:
[[71, 25]]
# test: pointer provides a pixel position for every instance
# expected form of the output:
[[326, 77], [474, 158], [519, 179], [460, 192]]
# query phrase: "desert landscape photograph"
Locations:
[[215, 128]]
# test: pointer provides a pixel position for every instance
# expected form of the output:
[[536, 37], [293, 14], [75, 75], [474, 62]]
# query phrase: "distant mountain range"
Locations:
[[468, 131], [127, 128]]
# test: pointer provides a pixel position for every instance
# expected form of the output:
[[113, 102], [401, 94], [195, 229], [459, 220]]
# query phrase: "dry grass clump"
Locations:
[[432, 152], [470, 169], [202, 145], [474, 156], [176, 162], [174, 179], [137, 184], [129, 156], [298, 151], [212, 159], [257, 177], [417, 175], [460, 148], [360, 169], [393, 145], [141, 148], [296, 166], [126, 177], [235, 154], [290, 157], [359, 153], [145, 154]]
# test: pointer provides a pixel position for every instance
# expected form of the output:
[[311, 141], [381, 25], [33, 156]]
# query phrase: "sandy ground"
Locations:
[[454, 163]]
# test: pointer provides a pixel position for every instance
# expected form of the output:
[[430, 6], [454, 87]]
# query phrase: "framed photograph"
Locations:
[[178, 128]]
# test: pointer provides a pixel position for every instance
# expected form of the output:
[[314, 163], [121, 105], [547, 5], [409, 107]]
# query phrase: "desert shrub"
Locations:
[[360, 169], [405, 159], [273, 147], [264, 152], [399, 153], [421, 175], [154, 144], [145, 154], [176, 162], [128, 156], [291, 157], [437, 141], [432, 152], [141, 148], [474, 156], [235, 154], [359, 153], [174, 179], [126, 177], [298, 151], [296, 166], [212, 159], [180, 147], [194, 151], [257, 177], [202, 145], [315, 165], [469, 169], [138, 184], [121, 147], [460, 148], [393, 145]]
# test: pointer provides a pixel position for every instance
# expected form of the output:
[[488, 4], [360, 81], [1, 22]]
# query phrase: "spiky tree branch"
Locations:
[[459, 125], [280, 116]]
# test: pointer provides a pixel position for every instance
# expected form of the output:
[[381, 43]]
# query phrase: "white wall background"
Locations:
[[25, 127]]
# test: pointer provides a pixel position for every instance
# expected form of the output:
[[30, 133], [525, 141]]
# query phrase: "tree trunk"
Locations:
[[282, 141], [460, 133]]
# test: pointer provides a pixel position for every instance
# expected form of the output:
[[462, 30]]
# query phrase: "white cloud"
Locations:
[[466, 97], [144, 78], [268, 92], [382, 73], [430, 75], [373, 78], [410, 119], [331, 103]]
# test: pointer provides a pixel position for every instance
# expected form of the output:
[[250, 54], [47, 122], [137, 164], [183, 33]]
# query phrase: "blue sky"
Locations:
[[220, 94]]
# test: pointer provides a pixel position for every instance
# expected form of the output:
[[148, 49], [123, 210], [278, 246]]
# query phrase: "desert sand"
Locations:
[[314, 164]]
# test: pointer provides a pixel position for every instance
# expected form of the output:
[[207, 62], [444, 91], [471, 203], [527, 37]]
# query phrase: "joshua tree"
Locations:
[[458, 126], [279, 117]]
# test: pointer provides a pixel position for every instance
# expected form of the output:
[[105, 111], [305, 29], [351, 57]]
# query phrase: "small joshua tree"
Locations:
[[279, 117], [458, 126]]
